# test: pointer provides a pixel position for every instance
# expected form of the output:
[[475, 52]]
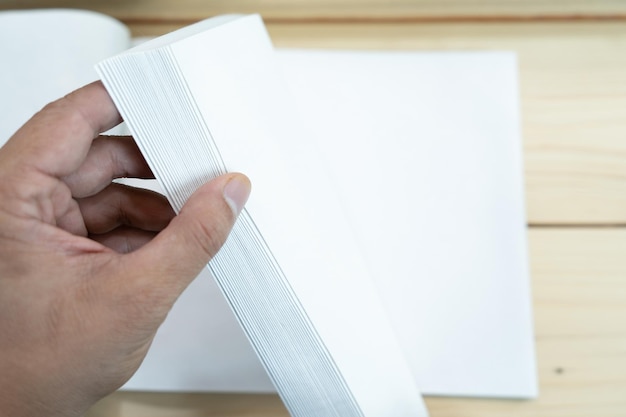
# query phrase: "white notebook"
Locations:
[[436, 136], [209, 99]]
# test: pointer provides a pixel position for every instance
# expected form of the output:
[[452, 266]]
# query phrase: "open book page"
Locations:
[[48, 53]]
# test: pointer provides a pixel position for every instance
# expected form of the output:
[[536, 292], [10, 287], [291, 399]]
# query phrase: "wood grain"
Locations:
[[345, 10], [580, 319]]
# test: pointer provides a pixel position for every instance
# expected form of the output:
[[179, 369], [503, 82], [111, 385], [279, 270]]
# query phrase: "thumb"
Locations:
[[180, 251]]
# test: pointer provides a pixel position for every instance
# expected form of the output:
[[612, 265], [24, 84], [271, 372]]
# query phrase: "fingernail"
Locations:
[[236, 192]]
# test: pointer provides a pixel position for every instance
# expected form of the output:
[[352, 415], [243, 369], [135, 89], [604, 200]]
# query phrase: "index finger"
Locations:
[[56, 140]]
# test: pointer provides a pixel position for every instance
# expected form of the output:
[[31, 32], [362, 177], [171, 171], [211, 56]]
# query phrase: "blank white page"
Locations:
[[426, 151]]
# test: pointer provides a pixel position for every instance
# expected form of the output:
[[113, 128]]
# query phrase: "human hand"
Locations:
[[89, 269]]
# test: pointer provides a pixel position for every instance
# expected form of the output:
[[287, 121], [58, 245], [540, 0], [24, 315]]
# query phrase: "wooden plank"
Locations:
[[373, 10], [573, 95], [580, 315]]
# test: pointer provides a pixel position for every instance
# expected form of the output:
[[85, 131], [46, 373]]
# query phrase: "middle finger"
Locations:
[[122, 205], [108, 158]]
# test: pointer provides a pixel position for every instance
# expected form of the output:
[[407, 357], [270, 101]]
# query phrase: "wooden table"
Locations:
[[573, 81]]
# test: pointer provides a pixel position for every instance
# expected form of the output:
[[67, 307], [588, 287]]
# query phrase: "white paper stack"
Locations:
[[209, 99]]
